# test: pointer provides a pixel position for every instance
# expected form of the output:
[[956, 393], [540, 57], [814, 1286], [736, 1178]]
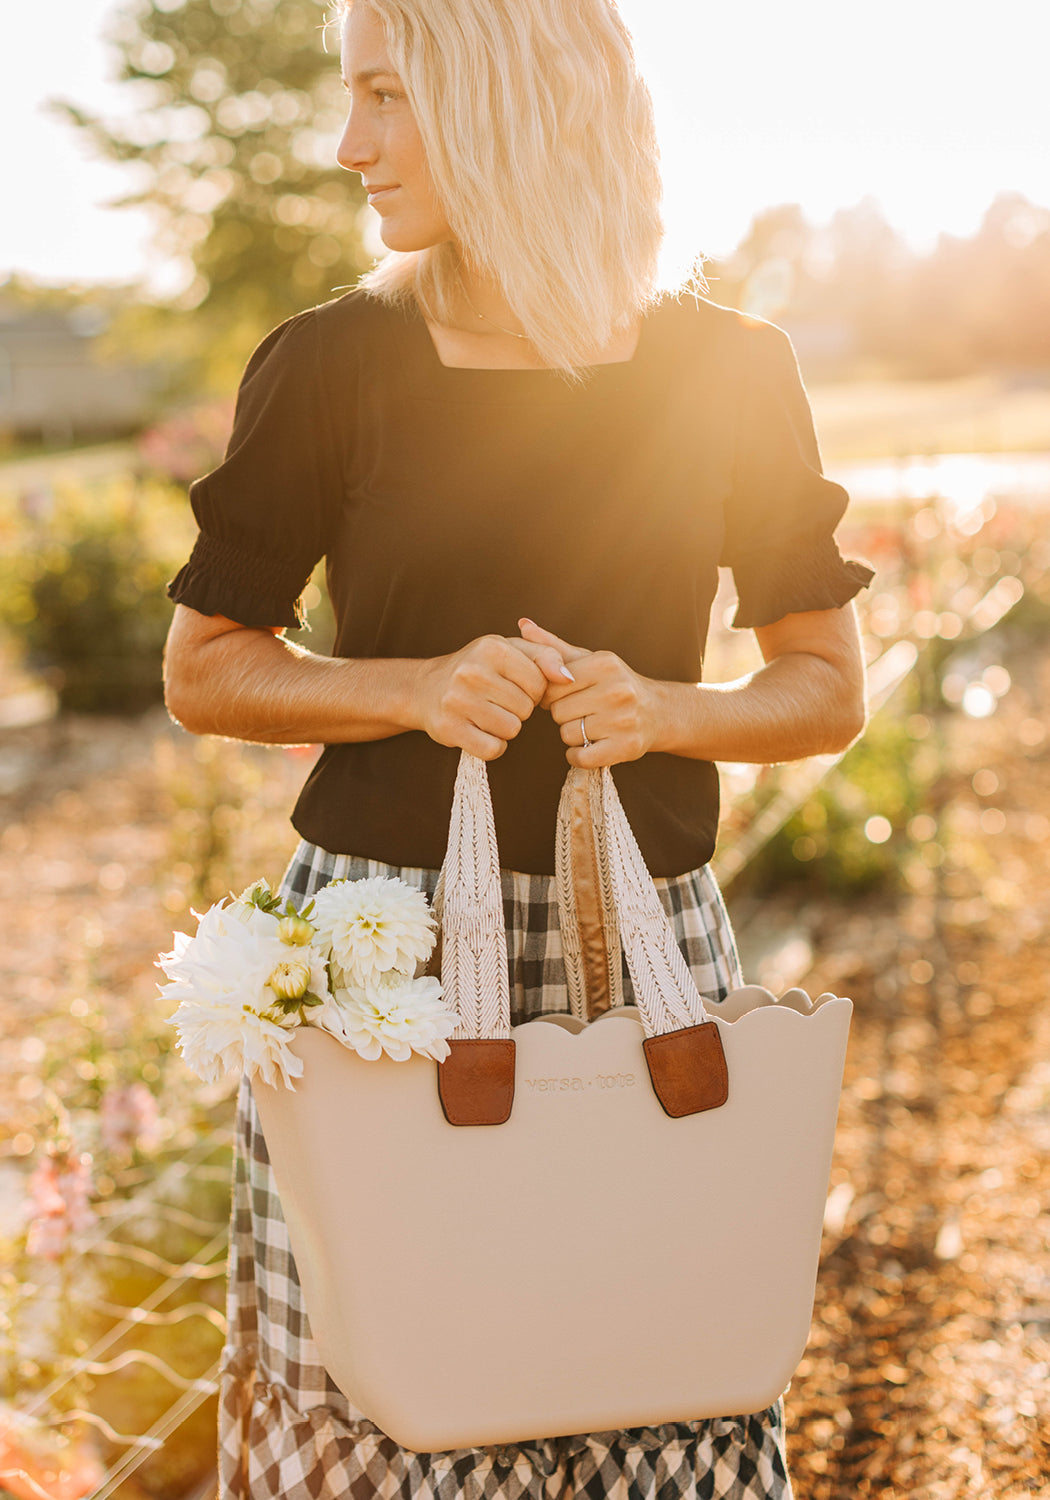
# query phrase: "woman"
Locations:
[[523, 469]]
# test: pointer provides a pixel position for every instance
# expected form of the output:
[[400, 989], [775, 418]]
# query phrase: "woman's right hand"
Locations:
[[478, 698]]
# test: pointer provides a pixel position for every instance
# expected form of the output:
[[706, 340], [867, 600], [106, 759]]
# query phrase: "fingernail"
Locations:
[[526, 621], [566, 673]]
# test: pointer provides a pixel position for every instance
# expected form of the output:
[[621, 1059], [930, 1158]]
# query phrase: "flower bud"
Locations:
[[296, 931], [284, 1013], [290, 980]]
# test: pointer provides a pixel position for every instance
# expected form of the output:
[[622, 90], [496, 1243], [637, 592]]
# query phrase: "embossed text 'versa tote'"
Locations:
[[568, 1226]]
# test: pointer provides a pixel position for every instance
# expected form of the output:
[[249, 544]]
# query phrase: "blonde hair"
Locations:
[[542, 147]]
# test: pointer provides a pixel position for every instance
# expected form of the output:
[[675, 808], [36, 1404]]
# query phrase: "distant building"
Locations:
[[55, 384]]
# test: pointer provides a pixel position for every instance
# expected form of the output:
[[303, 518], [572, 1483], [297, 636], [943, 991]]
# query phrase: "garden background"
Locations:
[[908, 874]]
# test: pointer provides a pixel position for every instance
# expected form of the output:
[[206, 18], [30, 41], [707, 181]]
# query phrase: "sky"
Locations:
[[932, 107]]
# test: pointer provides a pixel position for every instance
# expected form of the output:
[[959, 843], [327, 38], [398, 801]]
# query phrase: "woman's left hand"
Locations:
[[808, 699], [609, 705]]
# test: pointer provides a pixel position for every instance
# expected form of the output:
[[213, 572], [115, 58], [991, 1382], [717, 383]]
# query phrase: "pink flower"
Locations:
[[188, 442], [130, 1120], [37, 1463], [59, 1202]]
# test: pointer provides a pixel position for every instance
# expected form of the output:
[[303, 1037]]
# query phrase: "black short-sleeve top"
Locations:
[[449, 502]]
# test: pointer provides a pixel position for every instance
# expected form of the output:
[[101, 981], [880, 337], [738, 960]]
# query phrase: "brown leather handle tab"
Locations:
[[688, 1069], [476, 1081]]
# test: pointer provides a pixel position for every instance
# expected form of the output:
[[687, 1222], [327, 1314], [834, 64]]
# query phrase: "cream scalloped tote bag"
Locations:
[[567, 1226]]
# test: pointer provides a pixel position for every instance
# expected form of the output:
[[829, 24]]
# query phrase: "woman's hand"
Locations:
[[479, 697], [618, 707], [808, 699]]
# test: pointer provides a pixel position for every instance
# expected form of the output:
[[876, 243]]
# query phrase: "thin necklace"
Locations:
[[510, 332]]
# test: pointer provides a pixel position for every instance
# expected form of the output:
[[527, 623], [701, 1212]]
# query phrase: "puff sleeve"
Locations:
[[265, 513], [781, 511]]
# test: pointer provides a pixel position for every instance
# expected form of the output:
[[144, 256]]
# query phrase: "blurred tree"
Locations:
[[236, 111], [24, 294], [986, 299], [856, 298], [869, 265], [763, 274], [838, 289]]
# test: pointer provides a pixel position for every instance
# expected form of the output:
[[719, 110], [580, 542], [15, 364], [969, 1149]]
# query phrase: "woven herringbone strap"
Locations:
[[664, 989], [474, 944], [474, 972]]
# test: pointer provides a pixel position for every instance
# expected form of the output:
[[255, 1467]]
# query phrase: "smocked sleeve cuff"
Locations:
[[221, 578], [812, 574]]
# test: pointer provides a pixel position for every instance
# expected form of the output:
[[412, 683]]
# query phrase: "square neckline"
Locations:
[[499, 381]]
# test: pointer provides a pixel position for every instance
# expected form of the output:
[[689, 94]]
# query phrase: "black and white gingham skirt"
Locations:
[[286, 1432]]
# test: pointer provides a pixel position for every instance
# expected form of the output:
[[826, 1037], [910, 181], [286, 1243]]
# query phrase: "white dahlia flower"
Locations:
[[216, 1039], [237, 999], [393, 1014], [372, 927]]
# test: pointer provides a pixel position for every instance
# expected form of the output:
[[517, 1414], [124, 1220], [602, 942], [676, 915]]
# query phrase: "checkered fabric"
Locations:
[[286, 1432]]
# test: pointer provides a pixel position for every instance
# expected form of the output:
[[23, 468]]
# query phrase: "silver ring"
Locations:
[[583, 731]]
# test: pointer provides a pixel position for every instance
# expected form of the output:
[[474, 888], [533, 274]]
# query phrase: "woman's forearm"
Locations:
[[254, 685], [796, 705], [228, 679]]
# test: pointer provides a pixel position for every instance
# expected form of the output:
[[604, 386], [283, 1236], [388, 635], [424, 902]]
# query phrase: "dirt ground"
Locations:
[[928, 1370]]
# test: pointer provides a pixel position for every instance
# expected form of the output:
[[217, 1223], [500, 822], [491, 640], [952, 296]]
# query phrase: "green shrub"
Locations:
[[99, 624], [87, 597], [84, 591], [889, 774]]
